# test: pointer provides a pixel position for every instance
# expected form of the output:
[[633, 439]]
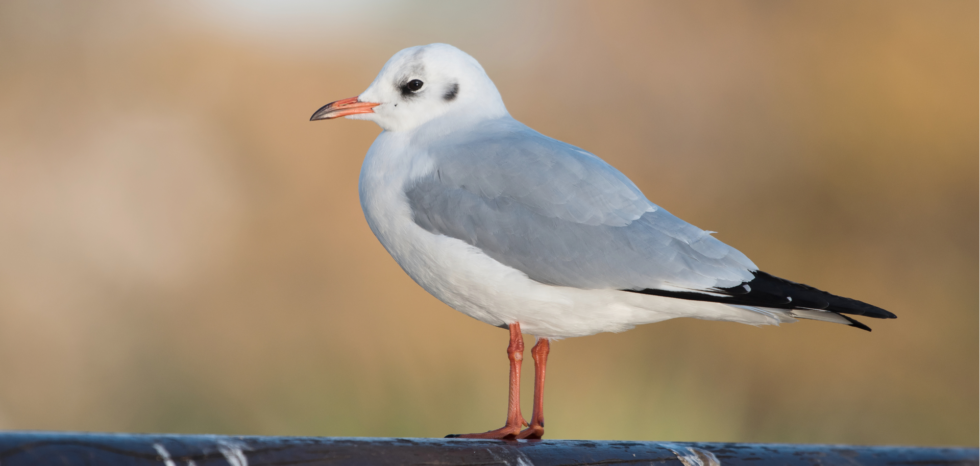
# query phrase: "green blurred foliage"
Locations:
[[181, 251]]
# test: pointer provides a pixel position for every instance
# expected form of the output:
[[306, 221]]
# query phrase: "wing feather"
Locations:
[[563, 216]]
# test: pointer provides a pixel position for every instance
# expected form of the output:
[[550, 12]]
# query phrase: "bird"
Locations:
[[534, 235]]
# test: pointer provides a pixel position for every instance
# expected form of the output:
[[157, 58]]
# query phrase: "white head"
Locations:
[[420, 84]]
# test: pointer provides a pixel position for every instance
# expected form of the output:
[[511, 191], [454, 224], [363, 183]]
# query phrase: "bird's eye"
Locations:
[[414, 85]]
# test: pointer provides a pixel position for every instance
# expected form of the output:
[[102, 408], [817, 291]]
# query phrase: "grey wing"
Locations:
[[563, 216]]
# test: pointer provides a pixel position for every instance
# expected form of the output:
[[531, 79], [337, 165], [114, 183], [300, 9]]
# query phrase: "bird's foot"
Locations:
[[508, 432], [534, 432]]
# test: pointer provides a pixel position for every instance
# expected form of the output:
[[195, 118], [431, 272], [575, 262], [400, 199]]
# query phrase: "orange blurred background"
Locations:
[[182, 251]]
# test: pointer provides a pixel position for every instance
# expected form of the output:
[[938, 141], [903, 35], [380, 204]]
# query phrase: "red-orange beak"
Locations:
[[343, 108]]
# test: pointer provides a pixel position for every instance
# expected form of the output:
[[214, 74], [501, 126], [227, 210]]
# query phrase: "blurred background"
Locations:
[[182, 251]]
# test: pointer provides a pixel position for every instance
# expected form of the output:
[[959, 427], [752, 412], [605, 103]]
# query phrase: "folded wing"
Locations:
[[563, 216]]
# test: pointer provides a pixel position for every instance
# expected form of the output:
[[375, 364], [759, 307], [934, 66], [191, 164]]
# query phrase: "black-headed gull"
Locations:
[[525, 232]]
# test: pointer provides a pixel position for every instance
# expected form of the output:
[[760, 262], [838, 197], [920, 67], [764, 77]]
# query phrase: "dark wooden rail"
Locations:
[[55, 448]]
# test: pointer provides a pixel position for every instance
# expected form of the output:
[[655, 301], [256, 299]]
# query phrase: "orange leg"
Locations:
[[540, 355], [515, 352]]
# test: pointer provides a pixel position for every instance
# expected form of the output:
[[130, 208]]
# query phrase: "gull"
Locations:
[[535, 235]]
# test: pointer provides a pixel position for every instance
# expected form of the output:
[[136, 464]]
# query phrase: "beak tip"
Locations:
[[343, 107], [322, 113]]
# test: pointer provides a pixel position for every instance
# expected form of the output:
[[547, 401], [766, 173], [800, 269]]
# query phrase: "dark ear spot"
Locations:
[[451, 92]]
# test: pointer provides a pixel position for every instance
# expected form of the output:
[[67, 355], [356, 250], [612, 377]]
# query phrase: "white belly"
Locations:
[[473, 283]]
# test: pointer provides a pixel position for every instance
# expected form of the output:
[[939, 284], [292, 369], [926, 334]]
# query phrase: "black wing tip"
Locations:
[[855, 323], [886, 314], [767, 290], [860, 308], [837, 304]]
